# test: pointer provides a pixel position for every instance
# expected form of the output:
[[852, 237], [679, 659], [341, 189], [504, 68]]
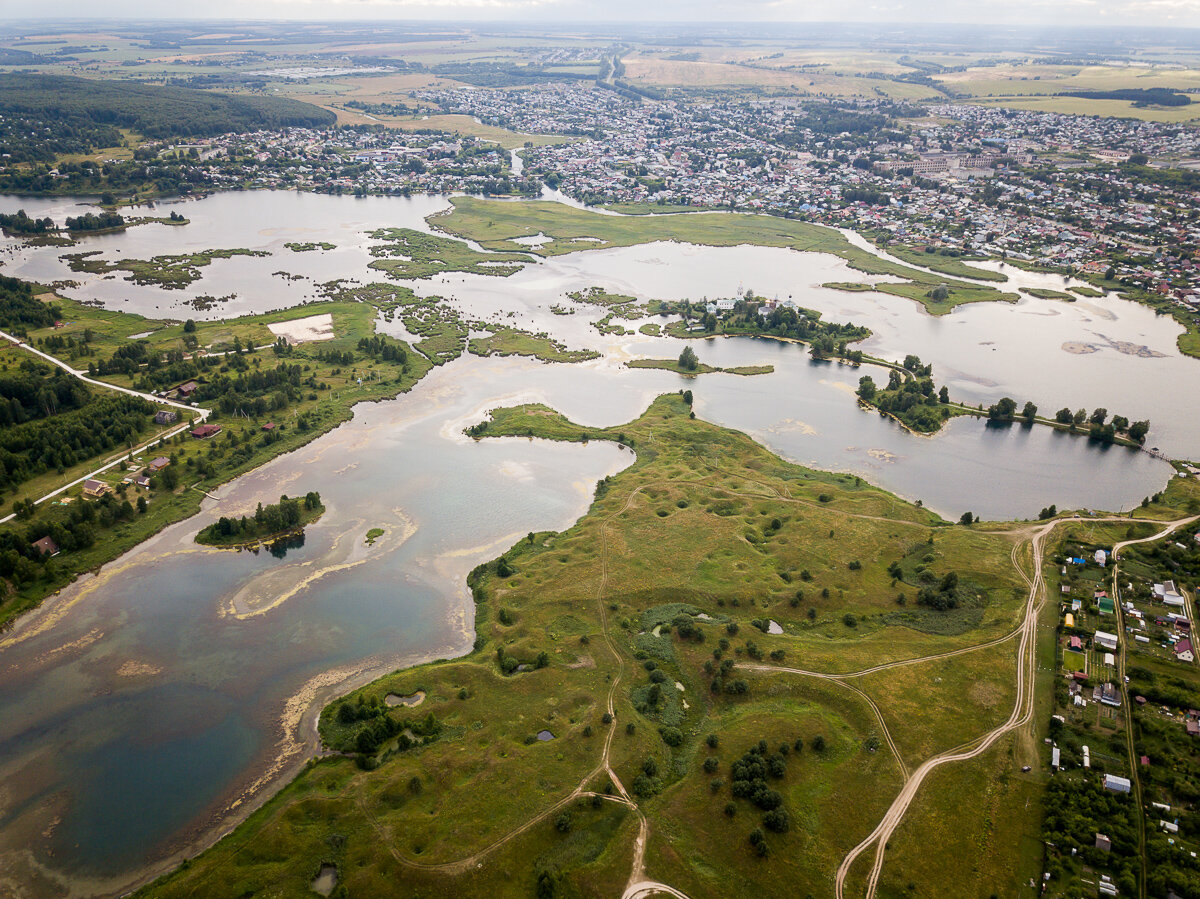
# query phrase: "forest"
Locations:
[[94, 108], [20, 309], [51, 421]]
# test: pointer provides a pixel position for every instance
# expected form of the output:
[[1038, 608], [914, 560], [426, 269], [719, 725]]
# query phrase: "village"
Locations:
[[1068, 193], [1125, 716]]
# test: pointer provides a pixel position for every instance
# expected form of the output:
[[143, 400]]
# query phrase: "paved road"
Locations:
[[200, 413]]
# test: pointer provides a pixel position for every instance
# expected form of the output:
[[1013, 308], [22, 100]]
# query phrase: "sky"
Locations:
[[1084, 13]]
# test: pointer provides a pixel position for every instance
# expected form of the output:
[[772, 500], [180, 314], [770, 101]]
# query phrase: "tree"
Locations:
[[687, 397], [1138, 431], [866, 388], [1110, 274], [944, 395], [1064, 416], [688, 360], [1098, 416], [1029, 413], [967, 519], [939, 294], [1002, 410]]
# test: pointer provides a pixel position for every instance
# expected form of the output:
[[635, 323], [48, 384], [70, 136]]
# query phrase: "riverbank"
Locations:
[[339, 374]]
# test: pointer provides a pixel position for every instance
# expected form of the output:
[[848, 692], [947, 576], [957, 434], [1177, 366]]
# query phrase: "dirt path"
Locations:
[[1022, 711], [1135, 780], [150, 398]]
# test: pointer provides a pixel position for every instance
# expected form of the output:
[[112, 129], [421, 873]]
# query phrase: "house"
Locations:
[[1104, 601], [1075, 644], [46, 547], [1105, 640], [1116, 784], [1184, 651], [1167, 594], [165, 417], [205, 431], [186, 390], [142, 481], [1103, 843], [95, 488], [269, 426], [1193, 728], [1055, 759], [1109, 659], [1101, 558], [1108, 695], [158, 464], [1069, 621]]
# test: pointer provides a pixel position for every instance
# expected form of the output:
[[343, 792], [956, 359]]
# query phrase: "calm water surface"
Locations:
[[148, 703]]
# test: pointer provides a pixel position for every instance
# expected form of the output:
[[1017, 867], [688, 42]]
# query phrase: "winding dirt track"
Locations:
[[637, 886], [1022, 706]]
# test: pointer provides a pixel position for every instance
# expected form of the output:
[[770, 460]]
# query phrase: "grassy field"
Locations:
[[675, 570], [700, 369], [947, 265], [413, 254], [168, 272], [495, 224], [514, 342]]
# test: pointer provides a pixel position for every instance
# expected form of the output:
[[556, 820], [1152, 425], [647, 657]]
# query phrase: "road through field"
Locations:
[[1022, 707]]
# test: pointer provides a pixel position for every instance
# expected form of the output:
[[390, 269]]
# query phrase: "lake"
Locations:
[[155, 702]]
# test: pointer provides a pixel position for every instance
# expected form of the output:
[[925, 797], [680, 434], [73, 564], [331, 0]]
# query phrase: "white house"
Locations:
[[1105, 640]]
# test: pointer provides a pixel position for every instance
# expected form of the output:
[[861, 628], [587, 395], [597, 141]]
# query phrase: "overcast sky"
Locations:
[[1016, 12]]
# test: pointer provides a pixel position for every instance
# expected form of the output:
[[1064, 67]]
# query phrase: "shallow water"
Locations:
[[145, 705]]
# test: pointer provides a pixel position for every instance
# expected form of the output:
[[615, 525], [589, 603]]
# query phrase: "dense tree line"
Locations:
[[19, 309], [33, 390], [1139, 96], [61, 440], [20, 223], [153, 111], [95, 222]]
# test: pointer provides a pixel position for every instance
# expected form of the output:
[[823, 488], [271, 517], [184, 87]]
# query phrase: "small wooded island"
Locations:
[[285, 518]]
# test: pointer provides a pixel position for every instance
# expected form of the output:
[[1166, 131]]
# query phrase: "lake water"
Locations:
[[148, 704]]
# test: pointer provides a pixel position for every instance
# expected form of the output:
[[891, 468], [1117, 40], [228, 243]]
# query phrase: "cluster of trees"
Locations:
[[1102, 429], [943, 595], [96, 222], [910, 399], [21, 310], [268, 521], [750, 778], [688, 360], [1078, 809], [379, 347], [368, 726], [1005, 409], [826, 338], [20, 223], [866, 195], [509, 664], [61, 425]]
